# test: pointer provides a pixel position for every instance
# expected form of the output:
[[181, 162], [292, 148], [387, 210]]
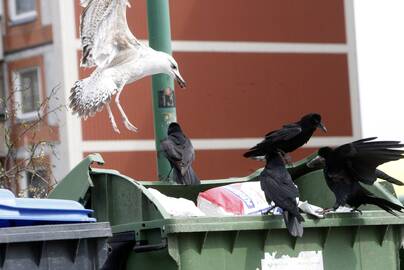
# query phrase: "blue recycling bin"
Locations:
[[27, 212]]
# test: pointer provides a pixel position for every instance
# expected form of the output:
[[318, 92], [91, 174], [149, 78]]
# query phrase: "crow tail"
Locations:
[[189, 177], [293, 223], [253, 152], [384, 204]]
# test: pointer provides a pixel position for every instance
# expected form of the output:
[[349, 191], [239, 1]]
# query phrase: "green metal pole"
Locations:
[[163, 86]]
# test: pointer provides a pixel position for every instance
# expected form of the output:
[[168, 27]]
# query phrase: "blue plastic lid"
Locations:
[[26, 211]]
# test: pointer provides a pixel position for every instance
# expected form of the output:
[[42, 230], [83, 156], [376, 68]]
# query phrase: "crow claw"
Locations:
[[356, 210]]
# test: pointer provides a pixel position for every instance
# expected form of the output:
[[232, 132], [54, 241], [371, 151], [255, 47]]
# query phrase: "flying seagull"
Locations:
[[119, 58]]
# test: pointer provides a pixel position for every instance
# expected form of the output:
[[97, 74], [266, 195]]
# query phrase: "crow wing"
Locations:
[[284, 134], [180, 154], [280, 188], [362, 157], [287, 132]]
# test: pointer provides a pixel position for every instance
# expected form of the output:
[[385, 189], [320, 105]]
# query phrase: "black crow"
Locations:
[[180, 153], [349, 164], [288, 138], [279, 188]]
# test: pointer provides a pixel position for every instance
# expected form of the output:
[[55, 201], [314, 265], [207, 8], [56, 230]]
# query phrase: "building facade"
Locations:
[[250, 67]]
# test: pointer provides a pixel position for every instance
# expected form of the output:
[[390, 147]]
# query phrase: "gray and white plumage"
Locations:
[[118, 56]]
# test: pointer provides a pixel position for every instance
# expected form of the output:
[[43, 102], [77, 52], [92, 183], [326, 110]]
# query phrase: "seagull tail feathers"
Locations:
[[88, 96]]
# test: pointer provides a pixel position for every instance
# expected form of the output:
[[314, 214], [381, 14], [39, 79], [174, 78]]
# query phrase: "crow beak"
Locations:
[[322, 127], [181, 82], [316, 163]]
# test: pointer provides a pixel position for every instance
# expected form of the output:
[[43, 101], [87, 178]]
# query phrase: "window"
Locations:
[[27, 93], [22, 11]]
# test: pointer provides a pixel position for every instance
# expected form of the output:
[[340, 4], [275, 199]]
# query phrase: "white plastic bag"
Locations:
[[177, 207]]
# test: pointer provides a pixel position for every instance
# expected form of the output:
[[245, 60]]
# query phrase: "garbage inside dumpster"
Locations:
[[235, 199], [177, 207], [243, 199]]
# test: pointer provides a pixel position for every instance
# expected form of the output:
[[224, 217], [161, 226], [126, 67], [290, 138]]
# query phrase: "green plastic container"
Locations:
[[147, 237]]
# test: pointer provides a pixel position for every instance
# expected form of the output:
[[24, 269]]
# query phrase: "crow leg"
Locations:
[[356, 210], [327, 210], [112, 119], [334, 208], [125, 119], [268, 210], [168, 175]]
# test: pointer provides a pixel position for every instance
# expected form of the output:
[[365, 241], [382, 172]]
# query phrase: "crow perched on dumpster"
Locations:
[[351, 163], [179, 151], [279, 188], [288, 138]]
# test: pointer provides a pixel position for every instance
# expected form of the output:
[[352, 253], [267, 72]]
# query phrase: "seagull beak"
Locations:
[[322, 127], [179, 79], [316, 163]]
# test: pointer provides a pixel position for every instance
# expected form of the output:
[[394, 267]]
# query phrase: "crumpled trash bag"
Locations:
[[311, 209], [177, 207]]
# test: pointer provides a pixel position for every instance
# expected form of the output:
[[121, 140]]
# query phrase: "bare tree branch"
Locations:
[[25, 151]]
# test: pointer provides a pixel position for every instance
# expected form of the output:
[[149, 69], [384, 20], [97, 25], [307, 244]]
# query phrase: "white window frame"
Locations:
[[20, 18], [18, 95]]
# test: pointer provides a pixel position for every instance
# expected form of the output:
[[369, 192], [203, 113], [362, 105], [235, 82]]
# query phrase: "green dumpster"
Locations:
[[147, 237]]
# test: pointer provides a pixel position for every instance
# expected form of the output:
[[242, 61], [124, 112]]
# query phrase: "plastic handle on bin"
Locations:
[[145, 248]]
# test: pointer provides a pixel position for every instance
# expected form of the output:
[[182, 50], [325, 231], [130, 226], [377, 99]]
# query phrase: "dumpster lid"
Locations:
[[74, 186]]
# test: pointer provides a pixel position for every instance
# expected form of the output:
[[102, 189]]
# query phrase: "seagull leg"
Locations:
[[125, 120], [112, 119]]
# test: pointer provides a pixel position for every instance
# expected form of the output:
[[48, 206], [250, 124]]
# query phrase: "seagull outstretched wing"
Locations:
[[119, 58], [104, 31]]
